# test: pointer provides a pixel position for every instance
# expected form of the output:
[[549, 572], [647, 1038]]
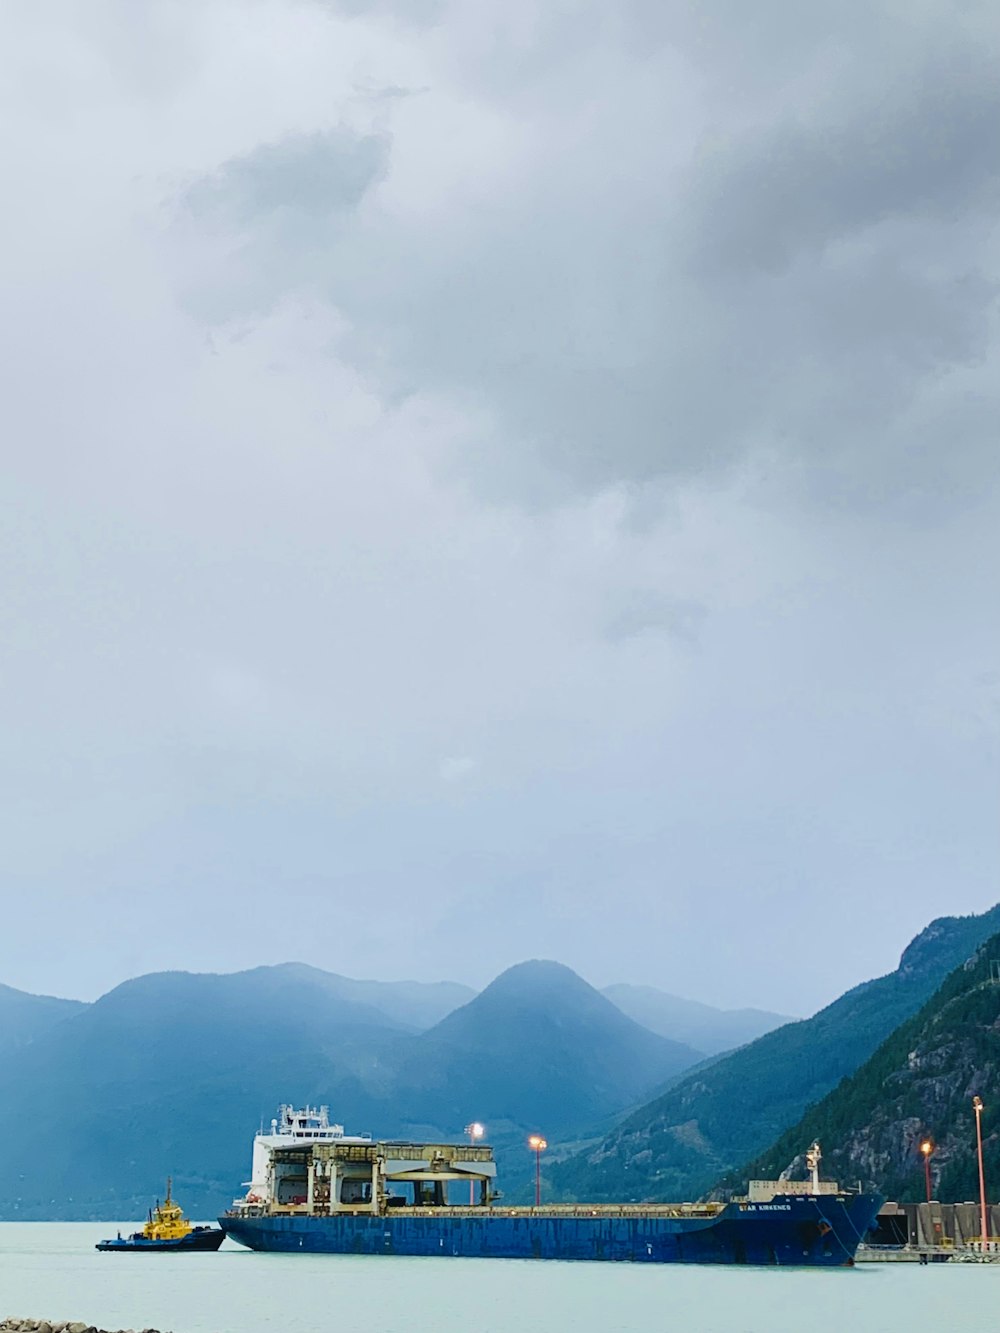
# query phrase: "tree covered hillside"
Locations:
[[919, 1083], [724, 1113], [24, 1017]]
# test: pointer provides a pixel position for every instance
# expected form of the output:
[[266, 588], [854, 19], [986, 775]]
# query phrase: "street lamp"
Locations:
[[538, 1145], [927, 1147], [474, 1131], [977, 1106]]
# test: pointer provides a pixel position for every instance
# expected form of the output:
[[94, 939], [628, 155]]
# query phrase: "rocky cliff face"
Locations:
[[918, 1085]]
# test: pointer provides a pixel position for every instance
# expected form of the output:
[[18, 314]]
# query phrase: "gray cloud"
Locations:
[[287, 206], [305, 175], [644, 611], [807, 271], [420, 13]]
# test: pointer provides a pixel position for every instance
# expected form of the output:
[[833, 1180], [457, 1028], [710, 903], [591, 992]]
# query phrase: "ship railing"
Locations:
[[707, 1210]]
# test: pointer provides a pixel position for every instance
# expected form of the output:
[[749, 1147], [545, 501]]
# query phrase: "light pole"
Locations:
[[977, 1106], [927, 1147], [474, 1131], [538, 1144]]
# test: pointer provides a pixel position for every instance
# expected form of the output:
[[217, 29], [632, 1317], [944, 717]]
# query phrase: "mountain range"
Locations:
[[418, 1005], [173, 1072]]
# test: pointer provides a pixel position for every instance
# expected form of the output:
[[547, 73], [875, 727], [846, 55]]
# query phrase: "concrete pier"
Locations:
[[930, 1232]]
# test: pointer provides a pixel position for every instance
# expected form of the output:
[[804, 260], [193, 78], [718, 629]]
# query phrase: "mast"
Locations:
[[813, 1159]]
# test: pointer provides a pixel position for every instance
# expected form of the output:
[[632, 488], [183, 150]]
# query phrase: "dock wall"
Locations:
[[934, 1225]]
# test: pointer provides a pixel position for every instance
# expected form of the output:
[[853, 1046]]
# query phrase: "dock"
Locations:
[[922, 1233]]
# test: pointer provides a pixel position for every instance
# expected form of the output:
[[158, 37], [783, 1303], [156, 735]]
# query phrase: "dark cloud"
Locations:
[[921, 148], [673, 282], [281, 214], [315, 176]]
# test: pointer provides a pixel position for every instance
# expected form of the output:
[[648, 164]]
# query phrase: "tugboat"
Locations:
[[167, 1228]]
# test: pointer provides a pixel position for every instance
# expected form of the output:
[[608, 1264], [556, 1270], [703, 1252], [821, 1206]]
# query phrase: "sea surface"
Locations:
[[50, 1270]]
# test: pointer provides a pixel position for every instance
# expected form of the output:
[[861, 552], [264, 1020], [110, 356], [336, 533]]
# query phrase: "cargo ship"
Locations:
[[316, 1190]]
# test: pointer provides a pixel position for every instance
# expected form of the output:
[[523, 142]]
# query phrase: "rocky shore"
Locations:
[[14, 1325]]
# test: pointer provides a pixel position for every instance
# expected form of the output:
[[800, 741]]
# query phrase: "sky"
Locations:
[[483, 482]]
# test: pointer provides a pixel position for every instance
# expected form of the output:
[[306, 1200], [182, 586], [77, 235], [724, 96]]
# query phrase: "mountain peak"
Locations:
[[540, 1046], [537, 974], [949, 940]]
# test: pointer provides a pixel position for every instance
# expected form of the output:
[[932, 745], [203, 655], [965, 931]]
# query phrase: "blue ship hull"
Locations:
[[816, 1231]]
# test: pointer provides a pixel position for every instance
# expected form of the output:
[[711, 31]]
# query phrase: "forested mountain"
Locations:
[[173, 1072], [918, 1085], [728, 1111]]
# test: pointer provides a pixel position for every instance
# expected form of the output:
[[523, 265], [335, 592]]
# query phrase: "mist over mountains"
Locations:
[[711, 1030], [173, 1072]]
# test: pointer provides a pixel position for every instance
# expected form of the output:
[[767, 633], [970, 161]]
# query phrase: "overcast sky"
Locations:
[[486, 481]]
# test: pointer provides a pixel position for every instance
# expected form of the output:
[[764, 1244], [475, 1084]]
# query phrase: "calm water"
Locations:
[[51, 1270]]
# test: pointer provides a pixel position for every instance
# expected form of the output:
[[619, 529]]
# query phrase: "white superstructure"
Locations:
[[306, 1165], [290, 1128]]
